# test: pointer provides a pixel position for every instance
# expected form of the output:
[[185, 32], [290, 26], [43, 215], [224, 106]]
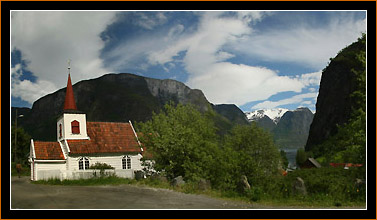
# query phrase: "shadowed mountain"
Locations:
[[119, 98]]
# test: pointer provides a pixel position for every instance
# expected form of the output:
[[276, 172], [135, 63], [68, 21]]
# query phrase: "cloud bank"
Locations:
[[48, 39]]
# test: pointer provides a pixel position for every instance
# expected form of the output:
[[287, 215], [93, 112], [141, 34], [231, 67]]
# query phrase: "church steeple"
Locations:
[[69, 103], [72, 124]]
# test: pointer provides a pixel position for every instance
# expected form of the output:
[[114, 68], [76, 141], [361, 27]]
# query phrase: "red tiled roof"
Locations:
[[106, 137], [48, 151], [69, 102]]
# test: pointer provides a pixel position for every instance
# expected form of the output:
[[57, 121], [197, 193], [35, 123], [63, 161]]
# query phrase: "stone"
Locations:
[[243, 185], [299, 186], [139, 175], [204, 184], [159, 177], [178, 181]]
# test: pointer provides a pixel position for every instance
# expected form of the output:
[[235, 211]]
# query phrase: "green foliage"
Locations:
[[182, 142], [101, 166], [333, 184], [25, 170], [284, 159], [301, 156], [250, 151], [22, 148]]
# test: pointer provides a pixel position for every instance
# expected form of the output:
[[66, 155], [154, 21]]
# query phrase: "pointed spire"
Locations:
[[69, 103]]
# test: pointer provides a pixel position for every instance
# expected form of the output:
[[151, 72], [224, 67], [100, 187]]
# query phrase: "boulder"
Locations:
[[204, 184], [299, 186], [139, 175], [243, 184], [178, 181], [159, 177]]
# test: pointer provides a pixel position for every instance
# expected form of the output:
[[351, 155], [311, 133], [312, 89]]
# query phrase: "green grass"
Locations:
[[278, 195]]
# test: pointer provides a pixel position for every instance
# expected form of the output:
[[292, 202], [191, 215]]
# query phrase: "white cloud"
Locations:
[[310, 79], [27, 90], [149, 20], [302, 44], [293, 100], [204, 60], [231, 83], [48, 39]]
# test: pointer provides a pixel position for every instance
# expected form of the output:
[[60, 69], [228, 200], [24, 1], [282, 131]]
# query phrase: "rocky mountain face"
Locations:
[[290, 129], [335, 103], [118, 98], [293, 128]]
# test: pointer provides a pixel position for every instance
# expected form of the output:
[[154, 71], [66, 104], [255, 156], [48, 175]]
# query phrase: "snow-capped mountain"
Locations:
[[273, 114]]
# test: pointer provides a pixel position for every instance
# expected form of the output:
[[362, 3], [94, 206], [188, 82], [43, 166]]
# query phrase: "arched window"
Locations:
[[126, 162], [60, 130], [75, 127], [83, 163]]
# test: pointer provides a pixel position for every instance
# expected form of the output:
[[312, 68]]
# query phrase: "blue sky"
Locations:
[[254, 59]]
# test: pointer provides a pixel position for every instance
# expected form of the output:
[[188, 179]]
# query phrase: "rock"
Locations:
[[334, 102], [243, 185], [159, 177], [204, 184], [359, 182], [299, 186], [178, 181], [139, 175]]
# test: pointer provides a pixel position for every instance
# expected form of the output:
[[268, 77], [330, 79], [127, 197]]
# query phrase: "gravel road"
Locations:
[[25, 195]]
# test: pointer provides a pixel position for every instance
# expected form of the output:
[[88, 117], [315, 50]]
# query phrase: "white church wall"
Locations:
[[114, 161], [45, 171]]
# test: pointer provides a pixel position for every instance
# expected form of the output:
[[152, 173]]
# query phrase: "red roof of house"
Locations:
[[106, 137], [69, 103], [48, 150]]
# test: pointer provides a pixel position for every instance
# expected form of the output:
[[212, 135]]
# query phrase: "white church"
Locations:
[[81, 144]]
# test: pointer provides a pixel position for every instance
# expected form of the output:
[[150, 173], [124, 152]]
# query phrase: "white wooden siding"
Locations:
[[114, 161]]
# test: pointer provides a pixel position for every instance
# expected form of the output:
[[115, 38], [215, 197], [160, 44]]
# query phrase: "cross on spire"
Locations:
[[69, 103]]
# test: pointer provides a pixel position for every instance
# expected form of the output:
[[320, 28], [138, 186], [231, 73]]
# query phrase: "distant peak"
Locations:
[[274, 114]]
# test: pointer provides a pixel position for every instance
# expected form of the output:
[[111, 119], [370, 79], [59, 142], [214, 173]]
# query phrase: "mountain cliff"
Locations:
[[293, 128], [342, 85], [118, 98], [290, 129]]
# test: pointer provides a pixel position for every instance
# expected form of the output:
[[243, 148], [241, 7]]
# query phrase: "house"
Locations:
[[81, 144], [310, 163]]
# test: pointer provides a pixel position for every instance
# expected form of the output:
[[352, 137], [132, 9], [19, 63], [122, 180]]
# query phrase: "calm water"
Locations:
[[291, 156]]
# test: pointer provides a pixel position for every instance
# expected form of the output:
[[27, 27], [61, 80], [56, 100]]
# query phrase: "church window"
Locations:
[[60, 130], [75, 127], [83, 163], [126, 162]]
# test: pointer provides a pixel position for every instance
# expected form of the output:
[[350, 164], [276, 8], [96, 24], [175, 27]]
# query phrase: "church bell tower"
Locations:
[[72, 124]]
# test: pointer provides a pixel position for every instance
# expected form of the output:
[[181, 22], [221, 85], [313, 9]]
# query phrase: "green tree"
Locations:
[[255, 153], [182, 140], [21, 146], [301, 156], [284, 159]]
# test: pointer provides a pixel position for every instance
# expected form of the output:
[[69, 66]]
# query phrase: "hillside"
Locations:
[[119, 98], [341, 103]]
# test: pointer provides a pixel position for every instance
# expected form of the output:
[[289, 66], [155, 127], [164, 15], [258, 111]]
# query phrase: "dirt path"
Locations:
[[25, 195]]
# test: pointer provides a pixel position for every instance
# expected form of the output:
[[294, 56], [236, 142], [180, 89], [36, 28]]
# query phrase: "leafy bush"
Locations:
[[101, 166]]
